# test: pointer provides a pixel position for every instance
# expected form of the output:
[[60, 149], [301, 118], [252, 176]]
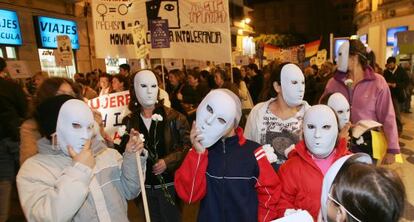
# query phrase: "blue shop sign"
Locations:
[[48, 28], [9, 28]]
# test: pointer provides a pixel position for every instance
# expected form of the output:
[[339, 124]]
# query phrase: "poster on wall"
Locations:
[[198, 29], [63, 53]]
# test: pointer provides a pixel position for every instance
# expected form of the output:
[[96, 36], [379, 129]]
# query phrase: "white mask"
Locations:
[[343, 56], [217, 114], [293, 84], [146, 88], [75, 125], [340, 105], [320, 130]]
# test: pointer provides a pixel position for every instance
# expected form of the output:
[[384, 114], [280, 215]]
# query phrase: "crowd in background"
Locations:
[[182, 90]]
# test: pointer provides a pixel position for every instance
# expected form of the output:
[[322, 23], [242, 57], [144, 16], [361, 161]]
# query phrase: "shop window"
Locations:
[[11, 52], [8, 52], [48, 64]]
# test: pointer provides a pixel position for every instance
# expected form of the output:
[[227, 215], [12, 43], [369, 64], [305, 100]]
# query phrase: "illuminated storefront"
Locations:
[[47, 29], [10, 35]]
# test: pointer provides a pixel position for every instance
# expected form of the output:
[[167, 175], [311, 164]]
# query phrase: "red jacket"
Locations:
[[234, 180], [302, 180]]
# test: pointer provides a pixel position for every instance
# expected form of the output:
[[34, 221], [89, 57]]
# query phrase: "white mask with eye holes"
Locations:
[[343, 57], [75, 125], [320, 129], [217, 114], [146, 88], [340, 105], [293, 85]]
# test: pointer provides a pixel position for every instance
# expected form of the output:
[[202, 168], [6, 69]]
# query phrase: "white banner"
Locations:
[[113, 108], [199, 29]]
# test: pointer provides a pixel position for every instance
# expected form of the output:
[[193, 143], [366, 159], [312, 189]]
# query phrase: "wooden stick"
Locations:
[[143, 191]]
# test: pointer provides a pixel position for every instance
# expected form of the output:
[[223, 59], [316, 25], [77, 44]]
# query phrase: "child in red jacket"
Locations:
[[303, 172], [233, 178]]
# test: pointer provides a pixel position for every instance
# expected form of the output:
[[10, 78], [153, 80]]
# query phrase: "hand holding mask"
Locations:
[[217, 115], [85, 156]]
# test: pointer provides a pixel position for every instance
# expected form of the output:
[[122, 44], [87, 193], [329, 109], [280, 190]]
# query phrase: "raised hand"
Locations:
[[85, 156], [135, 144]]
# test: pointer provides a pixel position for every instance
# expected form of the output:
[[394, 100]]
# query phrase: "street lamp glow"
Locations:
[[247, 20]]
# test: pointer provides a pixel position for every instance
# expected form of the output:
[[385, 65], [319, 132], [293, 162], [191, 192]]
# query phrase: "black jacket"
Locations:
[[400, 77], [176, 135]]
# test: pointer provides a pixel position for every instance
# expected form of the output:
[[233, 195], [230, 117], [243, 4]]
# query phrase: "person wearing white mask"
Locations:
[[75, 177], [166, 138], [366, 91], [278, 121], [302, 174], [340, 105], [355, 190], [229, 174]]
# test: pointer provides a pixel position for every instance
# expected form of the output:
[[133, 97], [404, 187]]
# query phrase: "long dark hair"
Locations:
[[369, 193], [134, 106], [50, 87], [237, 77], [356, 47], [268, 90]]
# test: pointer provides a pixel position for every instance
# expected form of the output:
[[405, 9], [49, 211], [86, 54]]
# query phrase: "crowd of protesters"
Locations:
[[275, 105]]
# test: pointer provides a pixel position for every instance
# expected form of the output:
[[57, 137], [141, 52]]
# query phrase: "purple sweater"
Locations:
[[370, 99]]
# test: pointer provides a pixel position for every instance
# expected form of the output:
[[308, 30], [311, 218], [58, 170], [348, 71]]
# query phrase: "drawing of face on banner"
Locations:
[[321, 57], [164, 9]]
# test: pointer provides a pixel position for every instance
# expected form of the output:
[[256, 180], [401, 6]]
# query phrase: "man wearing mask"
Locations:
[[229, 174], [13, 110]]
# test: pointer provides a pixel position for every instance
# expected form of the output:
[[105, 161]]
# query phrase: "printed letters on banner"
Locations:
[[198, 29], [113, 108]]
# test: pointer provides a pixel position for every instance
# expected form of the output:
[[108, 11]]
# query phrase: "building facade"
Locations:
[[379, 20]]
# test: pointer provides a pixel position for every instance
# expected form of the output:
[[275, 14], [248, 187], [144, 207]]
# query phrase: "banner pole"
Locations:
[[163, 73], [143, 191]]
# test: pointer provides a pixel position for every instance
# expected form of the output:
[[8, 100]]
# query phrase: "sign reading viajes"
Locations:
[[198, 29]]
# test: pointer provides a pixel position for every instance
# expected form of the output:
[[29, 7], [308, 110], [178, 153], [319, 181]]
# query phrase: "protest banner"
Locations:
[[160, 35], [113, 108], [198, 29], [141, 47], [63, 53]]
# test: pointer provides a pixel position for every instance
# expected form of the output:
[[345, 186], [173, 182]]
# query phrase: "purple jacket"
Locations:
[[370, 99]]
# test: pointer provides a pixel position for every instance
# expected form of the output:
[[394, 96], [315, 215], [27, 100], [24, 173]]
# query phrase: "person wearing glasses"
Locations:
[[355, 190]]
